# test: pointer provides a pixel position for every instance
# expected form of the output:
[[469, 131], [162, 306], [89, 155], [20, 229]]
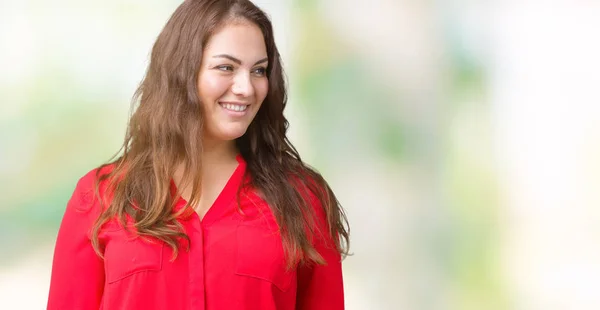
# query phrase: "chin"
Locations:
[[231, 134]]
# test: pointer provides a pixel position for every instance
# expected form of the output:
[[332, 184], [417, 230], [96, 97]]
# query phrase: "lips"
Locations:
[[233, 106]]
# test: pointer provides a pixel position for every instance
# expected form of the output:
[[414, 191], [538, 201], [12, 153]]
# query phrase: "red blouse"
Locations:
[[235, 261]]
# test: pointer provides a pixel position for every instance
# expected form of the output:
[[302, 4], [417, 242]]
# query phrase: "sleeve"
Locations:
[[77, 278], [321, 286]]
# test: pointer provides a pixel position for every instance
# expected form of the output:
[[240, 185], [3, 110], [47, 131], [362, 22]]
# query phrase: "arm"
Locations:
[[321, 286], [77, 279]]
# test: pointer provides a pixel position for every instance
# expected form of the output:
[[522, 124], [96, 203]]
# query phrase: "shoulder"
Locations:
[[84, 194], [315, 192], [310, 184]]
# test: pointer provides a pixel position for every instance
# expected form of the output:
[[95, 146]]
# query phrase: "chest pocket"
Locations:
[[260, 255], [127, 257]]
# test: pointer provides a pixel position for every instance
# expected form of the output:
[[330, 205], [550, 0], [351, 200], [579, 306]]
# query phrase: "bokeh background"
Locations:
[[462, 137]]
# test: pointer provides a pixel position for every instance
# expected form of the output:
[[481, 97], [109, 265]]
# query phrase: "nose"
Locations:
[[242, 85]]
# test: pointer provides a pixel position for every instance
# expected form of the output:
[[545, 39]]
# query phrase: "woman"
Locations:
[[209, 205]]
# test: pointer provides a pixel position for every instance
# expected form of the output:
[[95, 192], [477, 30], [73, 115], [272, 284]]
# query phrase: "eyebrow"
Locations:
[[237, 61]]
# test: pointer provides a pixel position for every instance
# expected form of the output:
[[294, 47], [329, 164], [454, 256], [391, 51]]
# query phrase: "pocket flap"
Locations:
[[124, 258], [260, 255]]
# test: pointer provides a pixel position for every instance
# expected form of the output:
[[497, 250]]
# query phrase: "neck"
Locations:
[[218, 153], [216, 157], [218, 163]]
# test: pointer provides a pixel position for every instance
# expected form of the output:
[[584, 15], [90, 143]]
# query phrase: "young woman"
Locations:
[[209, 205]]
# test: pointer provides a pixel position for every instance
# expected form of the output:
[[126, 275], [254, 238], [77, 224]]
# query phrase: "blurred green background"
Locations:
[[462, 137]]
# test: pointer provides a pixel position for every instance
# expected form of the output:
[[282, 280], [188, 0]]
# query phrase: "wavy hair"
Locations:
[[165, 131]]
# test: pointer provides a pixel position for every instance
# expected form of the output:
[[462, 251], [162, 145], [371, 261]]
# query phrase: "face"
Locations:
[[232, 82]]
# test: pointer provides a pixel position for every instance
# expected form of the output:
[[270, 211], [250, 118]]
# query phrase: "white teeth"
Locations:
[[234, 107]]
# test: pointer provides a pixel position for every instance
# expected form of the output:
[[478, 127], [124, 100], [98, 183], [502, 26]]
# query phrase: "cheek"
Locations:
[[212, 87], [262, 88]]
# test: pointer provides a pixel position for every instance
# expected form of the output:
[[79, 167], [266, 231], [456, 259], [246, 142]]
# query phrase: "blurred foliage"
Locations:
[[343, 101], [346, 116]]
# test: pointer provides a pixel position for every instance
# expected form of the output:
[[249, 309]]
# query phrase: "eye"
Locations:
[[260, 71], [226, 68]]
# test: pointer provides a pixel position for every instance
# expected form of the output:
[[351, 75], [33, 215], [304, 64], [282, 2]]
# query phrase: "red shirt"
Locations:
[[235, 261]]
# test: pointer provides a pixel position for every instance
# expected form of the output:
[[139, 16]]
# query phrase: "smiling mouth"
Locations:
[[234, 107]]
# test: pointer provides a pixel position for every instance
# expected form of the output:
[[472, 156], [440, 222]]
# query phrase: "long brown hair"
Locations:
[[165, 130]]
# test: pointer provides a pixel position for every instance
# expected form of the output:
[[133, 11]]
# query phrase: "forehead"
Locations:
[[243, 40]]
